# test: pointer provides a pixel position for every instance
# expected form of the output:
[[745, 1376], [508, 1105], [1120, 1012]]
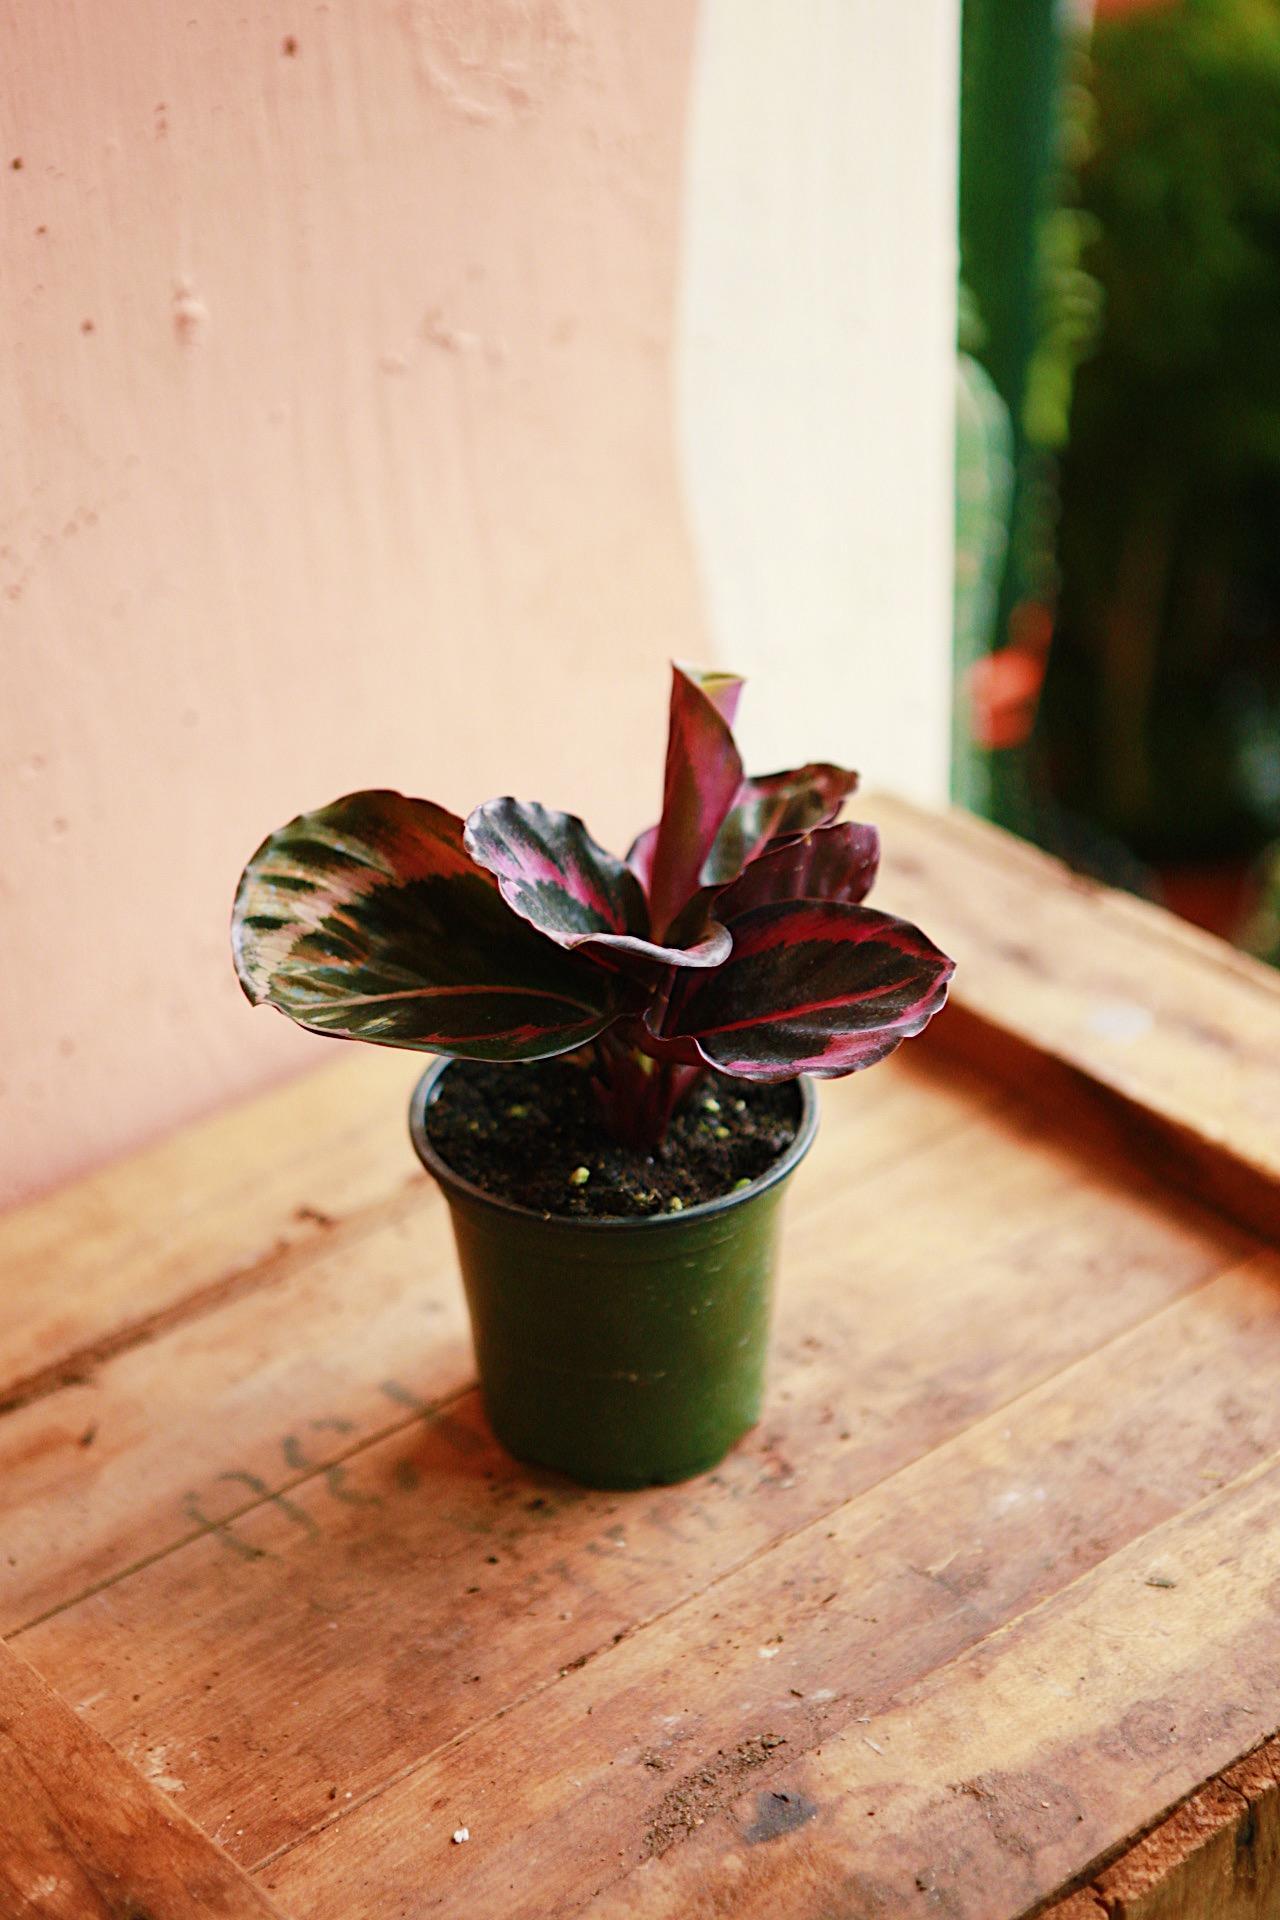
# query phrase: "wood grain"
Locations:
[[84, 1837], [211, 1211], [1172, 1036], [1217, 1856], [657, 1741], [990, 1594], [1003, 1775], [222, 1409], [384, 1569]]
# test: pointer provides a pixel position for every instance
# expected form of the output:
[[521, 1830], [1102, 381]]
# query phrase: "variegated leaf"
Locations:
[[554, 875], [769, 805], [811, 987], [637, 956], [828, 863], [367, 919]]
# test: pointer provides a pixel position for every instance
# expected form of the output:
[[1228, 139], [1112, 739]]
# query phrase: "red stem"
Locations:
[[636, 1094]]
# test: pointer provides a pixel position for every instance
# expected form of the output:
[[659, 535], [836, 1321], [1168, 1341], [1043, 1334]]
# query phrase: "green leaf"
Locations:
[[367, 919]]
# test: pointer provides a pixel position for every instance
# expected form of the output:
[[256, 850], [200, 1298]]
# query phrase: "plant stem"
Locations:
[[637, 1095]]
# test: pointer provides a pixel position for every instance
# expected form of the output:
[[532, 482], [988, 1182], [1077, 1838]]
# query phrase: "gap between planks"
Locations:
[[215, 1200], [1154, 1243], [80, 1364], [1077, 982], [84, 1836], [792, 1536], [989, 1099], [277, 1496], [835, 1769]]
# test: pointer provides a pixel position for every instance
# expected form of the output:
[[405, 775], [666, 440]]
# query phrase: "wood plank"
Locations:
[[178, 1434], [243, 1403], [84, 1837], [211, 1211], [397, 1627], [1217, 1856], [1119, 996], [1001, 1777], [336, 1617], [920, 1696]]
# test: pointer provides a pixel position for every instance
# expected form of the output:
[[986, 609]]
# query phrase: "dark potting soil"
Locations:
[[527, 1133]]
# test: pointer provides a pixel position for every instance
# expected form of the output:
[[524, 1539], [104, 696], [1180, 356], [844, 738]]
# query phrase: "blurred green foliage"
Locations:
[[984, 490], [1028, 310], [1162, 712]]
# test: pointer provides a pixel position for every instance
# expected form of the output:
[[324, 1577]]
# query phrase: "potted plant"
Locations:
[[629, 1049]]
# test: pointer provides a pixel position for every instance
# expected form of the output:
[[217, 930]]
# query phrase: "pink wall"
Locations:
[[337, 451]]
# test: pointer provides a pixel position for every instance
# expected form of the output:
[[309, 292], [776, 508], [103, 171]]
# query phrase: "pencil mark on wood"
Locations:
[[336, 1481], [289, 1508], [220, 1530], [404, 1398]]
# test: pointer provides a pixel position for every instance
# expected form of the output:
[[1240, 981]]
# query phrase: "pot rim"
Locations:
[[424, 1093]]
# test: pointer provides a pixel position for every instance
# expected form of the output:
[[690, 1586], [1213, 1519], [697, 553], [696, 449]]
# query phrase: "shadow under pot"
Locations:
[[622, 1352]]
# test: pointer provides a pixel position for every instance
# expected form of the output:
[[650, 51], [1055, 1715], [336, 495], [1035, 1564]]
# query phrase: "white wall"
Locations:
[[816, 372]]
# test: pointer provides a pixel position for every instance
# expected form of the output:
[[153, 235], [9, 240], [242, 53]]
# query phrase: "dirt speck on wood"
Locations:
[[708, 1790]]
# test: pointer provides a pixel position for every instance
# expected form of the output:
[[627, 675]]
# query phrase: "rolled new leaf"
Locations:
[[766, 808], [811, 987], [552, 873], [367, 920], [828, 863], [703, 775]]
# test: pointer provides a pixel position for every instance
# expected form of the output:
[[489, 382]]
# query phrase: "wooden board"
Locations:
[[990, 1594], [1101, 999], [1217, 1857], [84, 1837], [213, 1212]]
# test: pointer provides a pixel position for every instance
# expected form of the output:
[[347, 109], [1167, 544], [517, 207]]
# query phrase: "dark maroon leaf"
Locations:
[[769, 805], [554, 875], [828, 863], [367, 919], [810, 987]]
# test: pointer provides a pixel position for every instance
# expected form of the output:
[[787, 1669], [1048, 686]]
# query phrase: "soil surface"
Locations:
[[532, 1134]]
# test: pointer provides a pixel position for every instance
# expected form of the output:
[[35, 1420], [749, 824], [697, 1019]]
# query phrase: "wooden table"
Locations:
[[992, 1592]]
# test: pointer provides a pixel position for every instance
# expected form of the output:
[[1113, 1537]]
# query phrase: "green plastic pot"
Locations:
[[624, 1353]]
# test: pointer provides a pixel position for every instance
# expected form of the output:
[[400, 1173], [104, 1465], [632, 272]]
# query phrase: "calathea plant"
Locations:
[[732, 937]]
